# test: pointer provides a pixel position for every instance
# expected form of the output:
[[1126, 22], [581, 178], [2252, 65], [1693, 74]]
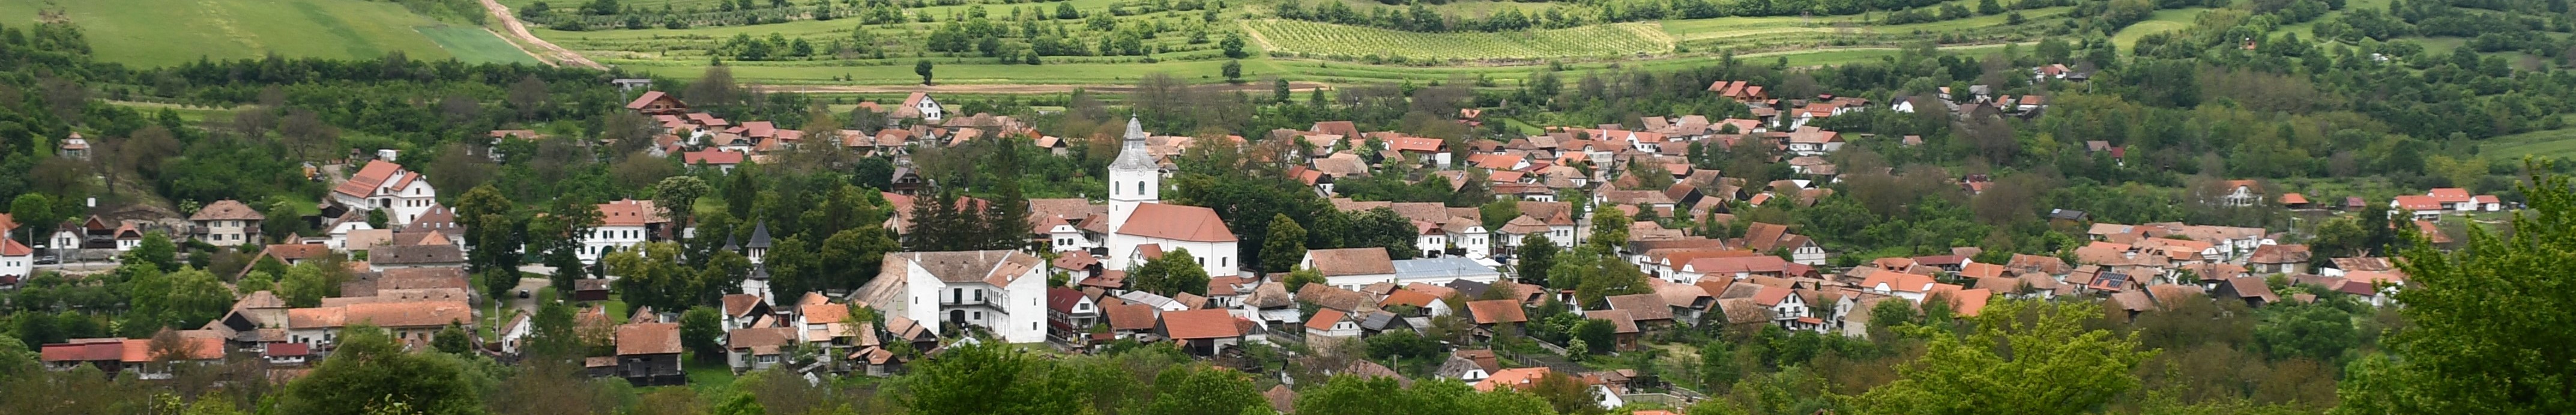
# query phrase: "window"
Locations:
[[979, 295], [979, 315], [957, 294], [1140, 188]]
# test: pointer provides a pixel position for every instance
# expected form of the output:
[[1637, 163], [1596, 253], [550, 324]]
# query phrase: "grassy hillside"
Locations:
[[165, 32], [1293, 36]]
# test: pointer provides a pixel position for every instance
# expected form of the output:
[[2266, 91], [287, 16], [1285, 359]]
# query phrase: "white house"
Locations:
[[1811, 141], [1135, 187], [1470, 235], [16, 259], [621, 226], [417, 321], [1001, 291], [385, 185], [921, 104], [227, 223]]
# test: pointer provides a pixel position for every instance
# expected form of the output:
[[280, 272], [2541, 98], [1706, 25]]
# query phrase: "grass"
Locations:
[[1623, 39], [708, 377], [475, 45], [2168, 20], [2546, 144], [168, 32]]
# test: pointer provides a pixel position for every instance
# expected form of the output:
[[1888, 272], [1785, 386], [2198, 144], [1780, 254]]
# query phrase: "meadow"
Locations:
[[168, 32]]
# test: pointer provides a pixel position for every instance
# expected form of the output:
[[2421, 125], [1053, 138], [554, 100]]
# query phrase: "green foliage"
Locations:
[[494, 235], [452, 339], [1197, 390], [1352, 395], [1989, 369], [1599, 335], [2456, 354], [1174, 273], [702, 330], [157, 251], [370, 370], [987, 378], [1537, 259], [2313, 331], [1299, 277], [1286, 245], [677, 196], [182, 300]]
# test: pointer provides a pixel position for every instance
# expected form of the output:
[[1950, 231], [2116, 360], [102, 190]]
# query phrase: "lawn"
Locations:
[[708, 378], [167, 32], [2162, 21], [2546, 144], [475, 45]]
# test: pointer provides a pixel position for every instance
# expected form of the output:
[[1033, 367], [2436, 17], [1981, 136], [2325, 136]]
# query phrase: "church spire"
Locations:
[[1133, 155]]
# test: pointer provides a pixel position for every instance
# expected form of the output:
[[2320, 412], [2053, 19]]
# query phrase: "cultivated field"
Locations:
[[167, 32], [1600, 41]]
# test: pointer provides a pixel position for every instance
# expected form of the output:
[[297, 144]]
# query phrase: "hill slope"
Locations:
[[166, 32]]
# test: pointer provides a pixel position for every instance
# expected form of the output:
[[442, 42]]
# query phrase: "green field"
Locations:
[[2547, 144], [2169, 20], [1615, 40], [165, 32], [475, 45]]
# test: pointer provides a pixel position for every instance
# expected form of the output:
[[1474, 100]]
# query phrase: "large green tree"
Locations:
[[1286, 247], [677, 196], [1202, 390], [369, 372], [492, 232], [1174, 273], [2022, 357], [2486, 325], [1355, 395], [183, 300]]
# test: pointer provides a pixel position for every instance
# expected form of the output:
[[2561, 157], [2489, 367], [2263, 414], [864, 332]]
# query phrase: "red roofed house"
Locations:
[[17, 261], [648, 354], [623, 224], [385, 185], [722, 160], [2423, 207], [657, 102], [1201, 332]]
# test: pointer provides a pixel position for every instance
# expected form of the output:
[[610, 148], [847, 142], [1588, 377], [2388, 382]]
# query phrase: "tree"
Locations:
[[36, 212], [1717, 366], [1995, 367], [2313, 331], [1233, 45], [1359, 395], [795, 267], [1600, 334], [852, 256], [922, 68], [702, 329], [1233, 71], [2479, 337], [1566, 395], [987, 378], [1537, 256], [1201, 390], [306, 284], [651, 275], [491, 231], [185, 299], [1286, 246], [156, 250], [1298, 278], [677, 196], [453, 339], [370, 370], [528, 96], [715, 87], [1176, 272], [553, 334]]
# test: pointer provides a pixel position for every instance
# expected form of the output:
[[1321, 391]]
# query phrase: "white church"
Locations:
[[1142, 227]]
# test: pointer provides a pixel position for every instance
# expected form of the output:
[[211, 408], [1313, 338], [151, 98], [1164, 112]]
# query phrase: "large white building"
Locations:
[[1142, 227], [622, 225], [1001, 291], [385, 185]]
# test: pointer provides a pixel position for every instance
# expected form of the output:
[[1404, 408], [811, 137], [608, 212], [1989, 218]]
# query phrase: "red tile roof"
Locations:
[[648, 338], [1351, 261], [1176, 222], [1199, 324], [365, 182], [1325, 318]]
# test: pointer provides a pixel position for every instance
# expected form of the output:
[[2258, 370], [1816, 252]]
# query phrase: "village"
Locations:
[[1463, 284]]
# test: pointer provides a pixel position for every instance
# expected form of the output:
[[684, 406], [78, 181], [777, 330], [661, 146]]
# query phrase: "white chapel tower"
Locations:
[[1133, 177]]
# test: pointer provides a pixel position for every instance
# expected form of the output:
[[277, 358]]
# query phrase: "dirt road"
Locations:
[[1004, 88], [547, 51]]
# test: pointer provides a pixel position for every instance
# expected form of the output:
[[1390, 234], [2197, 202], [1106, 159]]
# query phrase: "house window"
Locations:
[[1140, 188], [979, 296], [979, 316]]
